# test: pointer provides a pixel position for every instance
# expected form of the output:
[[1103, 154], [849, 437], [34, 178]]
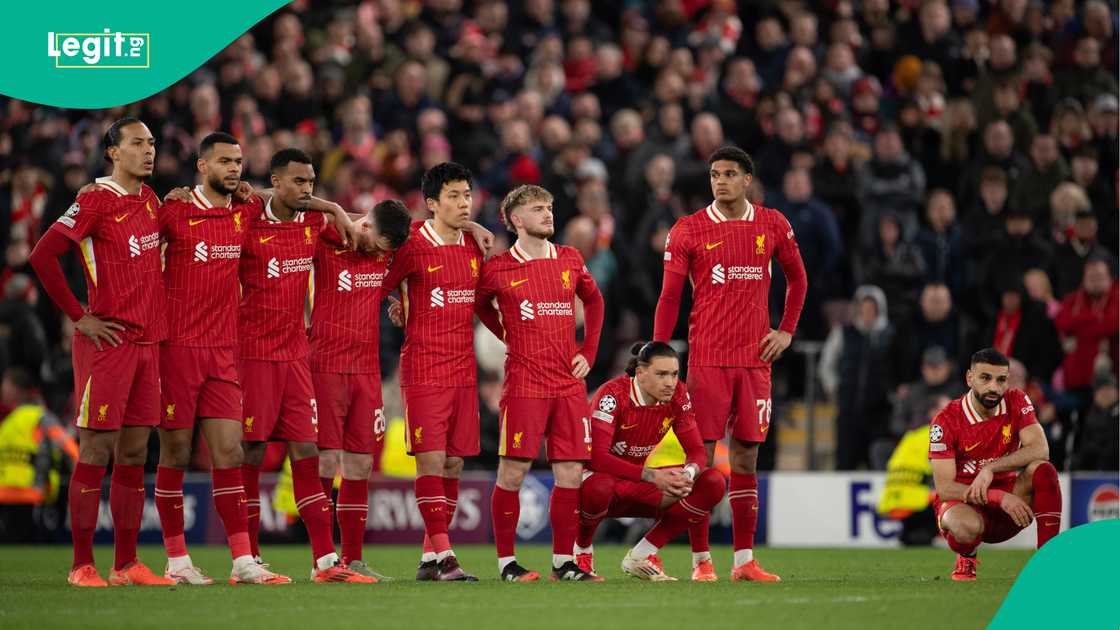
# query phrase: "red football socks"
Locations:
[[505, 509], [352, 508], [169, 504], [314, 507], [433, 509], [1046, 502], [126, 502], [689, 512], [595, 494], [563, 514], [251, 478], [85, 500], [743, 497], [232, 506]]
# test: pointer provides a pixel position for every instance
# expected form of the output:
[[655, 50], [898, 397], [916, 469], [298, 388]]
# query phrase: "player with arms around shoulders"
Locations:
[[629, 417], [526, 296], [725, 251], [991, 465], [116, 356]]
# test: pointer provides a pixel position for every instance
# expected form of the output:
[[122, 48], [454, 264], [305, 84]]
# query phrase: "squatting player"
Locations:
[[437, 272], [630, 415], [279, 401], [725, 251], [203, 236], [345, 370], [991, 465], [534, 286], [116, 356]]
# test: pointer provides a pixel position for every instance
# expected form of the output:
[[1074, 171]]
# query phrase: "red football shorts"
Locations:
[[279, 401], [441, 419], [563, 421], [197, 383], [731, 396], [635, 499], [115, 386], [998, 525], [350, 412]]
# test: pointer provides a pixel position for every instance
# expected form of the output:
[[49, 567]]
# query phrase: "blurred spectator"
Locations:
[[773, 160], [1089, 323], [832, 180], [940, 242], [998, 150], [891, 181], [938, 379], [1039, 288], [936, 324], [857, 370], [23, 341], [1018, 249], [1101, 193], [895, 264], [1022, 330], [1048, 169], [1098, 437], [1087, 79], [1070, 257]]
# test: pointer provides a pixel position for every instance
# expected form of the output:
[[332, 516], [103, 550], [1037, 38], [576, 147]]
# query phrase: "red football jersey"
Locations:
[[202, 251], [960, 432], [728, 263], [118, 238], [437, 282], [346, 301], [536, 302], [275, 273], [629, 427]]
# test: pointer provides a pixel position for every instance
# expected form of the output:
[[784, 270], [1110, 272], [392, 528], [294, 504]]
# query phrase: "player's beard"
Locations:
[[218, 184], [990, 401], [544, 232]]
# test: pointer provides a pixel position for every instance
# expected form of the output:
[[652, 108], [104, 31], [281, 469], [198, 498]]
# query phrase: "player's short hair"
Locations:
[[733, 153], [989, 356], [218, 137], [393, 221], [433, 180], [643, 353], [284, 157], [113, 134], [518, 197]]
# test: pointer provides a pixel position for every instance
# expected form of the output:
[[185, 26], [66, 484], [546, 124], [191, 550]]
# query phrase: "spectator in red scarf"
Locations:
[[1089, 322]]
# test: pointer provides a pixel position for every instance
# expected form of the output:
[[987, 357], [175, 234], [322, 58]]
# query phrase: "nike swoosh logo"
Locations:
[[326, 508], [194, 222], [969, 448], [244, 500], [265, 239], [339, 252], [362, 519], [380, 437], [517, 283], [435, 269], [120, 218], [711, 246], [507, 513], [179, 507], [88, 490], [629, 426]]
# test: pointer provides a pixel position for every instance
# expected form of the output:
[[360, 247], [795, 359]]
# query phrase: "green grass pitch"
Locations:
[[907, 589]]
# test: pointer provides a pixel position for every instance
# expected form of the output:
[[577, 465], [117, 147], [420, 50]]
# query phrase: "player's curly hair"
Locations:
[[644, 352], [733, 153], [523, 194]]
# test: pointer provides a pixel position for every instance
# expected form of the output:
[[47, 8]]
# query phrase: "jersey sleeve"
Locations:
[[398, 270], [167, 215], [605, 405], [82, 217], [797, 284], [1023, 410], [942, 437], [678, 249]]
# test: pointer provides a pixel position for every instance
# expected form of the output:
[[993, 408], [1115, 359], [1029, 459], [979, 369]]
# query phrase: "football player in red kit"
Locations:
[[345, 370], [202, 238], [630, 415], [533, 287], [991, 465], [279, 400], [726, 251], [116, 356]]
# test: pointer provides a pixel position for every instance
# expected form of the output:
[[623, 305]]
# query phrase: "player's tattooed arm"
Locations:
[[944, 480], [671, 481]]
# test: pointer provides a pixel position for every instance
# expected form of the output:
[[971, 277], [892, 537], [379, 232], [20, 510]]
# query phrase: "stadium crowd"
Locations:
[[950, 169]]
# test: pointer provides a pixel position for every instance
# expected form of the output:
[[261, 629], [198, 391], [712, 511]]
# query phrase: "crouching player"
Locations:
[[990, 465], [630, 416]]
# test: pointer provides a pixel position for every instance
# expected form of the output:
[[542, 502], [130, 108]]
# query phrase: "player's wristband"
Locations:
[[995, 497], [691, 471]]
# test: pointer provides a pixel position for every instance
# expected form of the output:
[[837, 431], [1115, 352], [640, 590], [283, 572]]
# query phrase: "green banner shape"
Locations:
[[89, 55], [1069, 583]]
